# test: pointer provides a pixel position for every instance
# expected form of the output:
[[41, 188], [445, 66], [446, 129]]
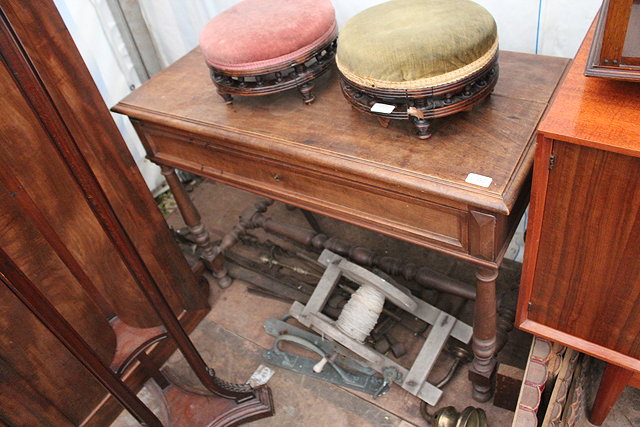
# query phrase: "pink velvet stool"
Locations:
[[260, 47]]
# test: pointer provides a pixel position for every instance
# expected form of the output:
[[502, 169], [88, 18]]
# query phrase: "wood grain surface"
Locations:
[[587, 276], [52, 233], [595, 112], [615, 32], [53, 63], [28, 153]]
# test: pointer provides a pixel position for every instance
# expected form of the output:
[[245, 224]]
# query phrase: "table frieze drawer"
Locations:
[[408, 218]]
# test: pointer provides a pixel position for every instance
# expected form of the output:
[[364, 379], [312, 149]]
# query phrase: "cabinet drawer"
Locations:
[[418, 221]]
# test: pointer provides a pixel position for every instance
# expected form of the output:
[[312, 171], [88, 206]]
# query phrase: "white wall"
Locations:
[[564, 24], [549, 27]]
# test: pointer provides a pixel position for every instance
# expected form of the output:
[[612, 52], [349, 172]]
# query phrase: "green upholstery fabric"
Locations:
[[407, 40]]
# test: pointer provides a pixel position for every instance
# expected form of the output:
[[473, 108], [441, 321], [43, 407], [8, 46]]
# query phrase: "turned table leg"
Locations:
[[212, 258], [613, 382], [481, 372]]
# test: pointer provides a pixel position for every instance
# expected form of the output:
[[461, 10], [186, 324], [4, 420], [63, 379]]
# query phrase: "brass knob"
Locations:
[[450, 417], [470, 417]]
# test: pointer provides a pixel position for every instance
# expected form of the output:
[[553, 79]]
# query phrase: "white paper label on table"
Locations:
[[382, 108], [481, 180], [261, 376]]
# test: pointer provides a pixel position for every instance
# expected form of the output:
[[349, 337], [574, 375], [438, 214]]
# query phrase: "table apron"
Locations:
[[473, 234]]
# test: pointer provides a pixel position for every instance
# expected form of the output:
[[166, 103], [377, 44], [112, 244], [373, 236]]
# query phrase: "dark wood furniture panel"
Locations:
[[48, 57], [330, 159], [34, 368], [22, 240], [53, 235], [581, 277], [28, 155]]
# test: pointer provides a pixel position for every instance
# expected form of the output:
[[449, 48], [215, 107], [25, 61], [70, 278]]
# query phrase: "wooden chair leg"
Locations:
[[613, 382]]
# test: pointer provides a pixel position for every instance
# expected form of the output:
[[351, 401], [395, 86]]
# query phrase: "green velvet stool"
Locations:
[[418, 59]]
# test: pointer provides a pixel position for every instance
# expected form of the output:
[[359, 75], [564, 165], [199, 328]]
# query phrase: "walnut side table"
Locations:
[[329, 159]]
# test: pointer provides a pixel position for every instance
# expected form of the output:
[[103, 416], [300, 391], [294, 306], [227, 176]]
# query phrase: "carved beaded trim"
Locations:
[[232, 387], [291, 75], [434, 102]]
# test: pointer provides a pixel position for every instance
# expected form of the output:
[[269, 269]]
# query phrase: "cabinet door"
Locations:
[[587, 274]]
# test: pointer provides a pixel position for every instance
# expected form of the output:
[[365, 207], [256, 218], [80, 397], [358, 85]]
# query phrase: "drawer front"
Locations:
[[418, 221]]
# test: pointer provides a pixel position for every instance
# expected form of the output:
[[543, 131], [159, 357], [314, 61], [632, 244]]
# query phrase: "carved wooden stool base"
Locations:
[[297, 73], [422, 105], [192, 409]]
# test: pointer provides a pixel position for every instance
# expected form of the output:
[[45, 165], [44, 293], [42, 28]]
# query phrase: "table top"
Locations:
[[495, 139], [596, 112]]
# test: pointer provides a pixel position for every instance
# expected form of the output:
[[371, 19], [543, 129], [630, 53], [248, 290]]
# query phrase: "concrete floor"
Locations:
[[231, 339]]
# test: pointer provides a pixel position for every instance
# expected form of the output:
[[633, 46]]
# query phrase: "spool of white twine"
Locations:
[[360, 314]]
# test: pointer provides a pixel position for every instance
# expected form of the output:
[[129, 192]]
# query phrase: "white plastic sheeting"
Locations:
[[95, 33], [550, 27]]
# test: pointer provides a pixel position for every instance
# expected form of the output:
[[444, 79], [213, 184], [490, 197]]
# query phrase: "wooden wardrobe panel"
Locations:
[[23, 404], [26, 246], [586, 278], [57, 135], [28, 154], [65, 80], [30, 353]]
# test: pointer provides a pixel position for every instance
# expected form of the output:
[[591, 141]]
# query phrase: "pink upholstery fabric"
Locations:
[[259, 33]]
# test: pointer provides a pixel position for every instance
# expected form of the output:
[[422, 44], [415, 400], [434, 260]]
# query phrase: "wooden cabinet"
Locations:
[[50, 230], [581, 274]]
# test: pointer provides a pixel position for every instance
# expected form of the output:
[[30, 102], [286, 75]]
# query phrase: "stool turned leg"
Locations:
[[384, 121], [613, 382], [213, 260], [482, 370], [228, 99], [422, 127], [307, 93]]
